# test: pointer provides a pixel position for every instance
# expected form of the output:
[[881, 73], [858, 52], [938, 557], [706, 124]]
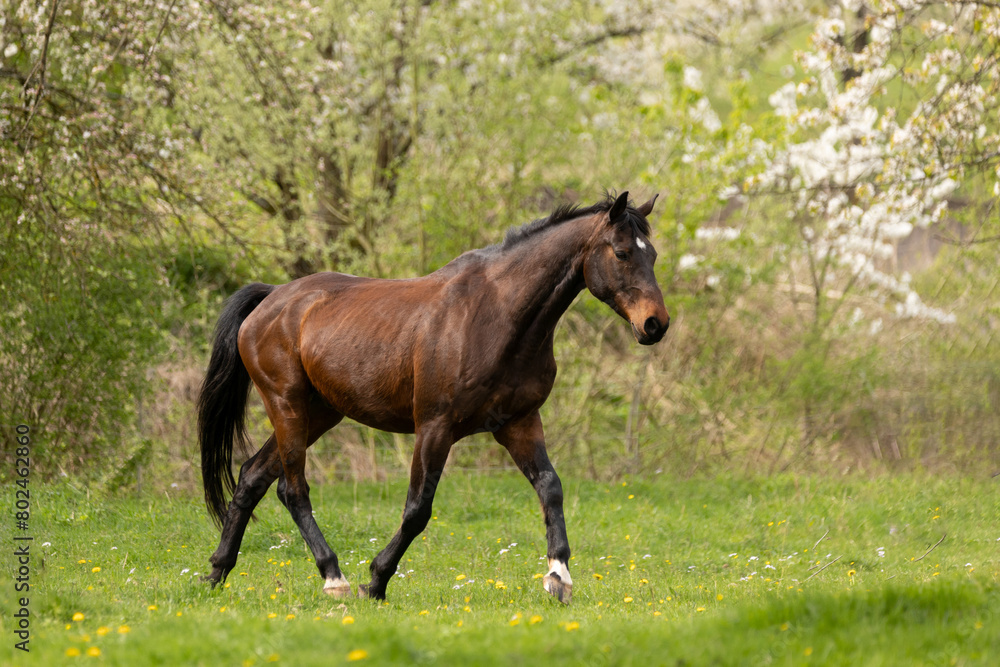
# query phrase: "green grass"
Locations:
[[665, 572]]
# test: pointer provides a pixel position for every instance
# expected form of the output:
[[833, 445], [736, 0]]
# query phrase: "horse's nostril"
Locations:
[[652, 326]]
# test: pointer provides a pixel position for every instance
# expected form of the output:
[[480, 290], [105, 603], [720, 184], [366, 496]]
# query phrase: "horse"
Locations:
[[463, 350]]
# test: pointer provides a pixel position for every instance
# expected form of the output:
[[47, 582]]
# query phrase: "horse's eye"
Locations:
[[621, 256]]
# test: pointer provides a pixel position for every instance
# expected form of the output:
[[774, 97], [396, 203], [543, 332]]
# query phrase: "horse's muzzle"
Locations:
[[652, 330]]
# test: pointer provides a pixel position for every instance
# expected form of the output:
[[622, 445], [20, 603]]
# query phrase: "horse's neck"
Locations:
[[545, 274]]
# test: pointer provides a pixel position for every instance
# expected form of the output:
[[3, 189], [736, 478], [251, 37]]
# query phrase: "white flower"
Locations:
[[10, 51], [688, 262], [783, 100], [692, 78], [720, 233]]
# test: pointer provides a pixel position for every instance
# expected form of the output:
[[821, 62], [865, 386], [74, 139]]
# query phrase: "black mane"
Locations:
[[515, 235]]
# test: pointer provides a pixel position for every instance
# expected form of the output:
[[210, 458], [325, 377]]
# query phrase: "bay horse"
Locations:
[[465, 349]]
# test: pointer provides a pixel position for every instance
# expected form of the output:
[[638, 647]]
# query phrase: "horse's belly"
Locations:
[[366, 384]]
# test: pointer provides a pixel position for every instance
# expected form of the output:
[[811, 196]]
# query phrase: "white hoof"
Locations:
[[557, 582], [338, 588]]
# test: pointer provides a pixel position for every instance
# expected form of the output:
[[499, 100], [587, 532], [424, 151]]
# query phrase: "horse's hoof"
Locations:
[[557, 588], [338, 588]]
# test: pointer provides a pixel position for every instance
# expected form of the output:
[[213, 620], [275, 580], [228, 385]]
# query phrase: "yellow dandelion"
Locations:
[[598, 576], [222, 609], [78, 616], [152, 607], [656, 613], [719, 596], [700, 609], [82, 561], [103, 630], [628, 599], [347, 620], [423, 612], [538, 575], [851, 573], [95, 569], [272, 615], [93, 651], [459, 624], [500, 586], [124, 629], [630, 496], [357, 654], [289, 617], [571, 626], [460, 577], [466, 608], [515, 621], [536, 619], [72, 652]]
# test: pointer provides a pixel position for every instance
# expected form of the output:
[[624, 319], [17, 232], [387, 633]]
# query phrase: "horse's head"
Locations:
[[618, 269]]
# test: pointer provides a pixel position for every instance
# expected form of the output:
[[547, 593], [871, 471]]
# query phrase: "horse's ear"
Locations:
[[618, 208], [647, 208]]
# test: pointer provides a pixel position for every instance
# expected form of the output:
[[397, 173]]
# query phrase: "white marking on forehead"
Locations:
[[558, 567], [638, 242]]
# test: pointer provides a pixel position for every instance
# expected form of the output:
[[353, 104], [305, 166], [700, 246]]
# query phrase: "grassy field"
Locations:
[[798, 571]]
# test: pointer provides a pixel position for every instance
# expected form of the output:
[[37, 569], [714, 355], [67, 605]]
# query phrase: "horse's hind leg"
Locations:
[[296, 429], [256, 476]]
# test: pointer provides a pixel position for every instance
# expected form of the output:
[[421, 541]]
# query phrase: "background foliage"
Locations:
[[827, 225]]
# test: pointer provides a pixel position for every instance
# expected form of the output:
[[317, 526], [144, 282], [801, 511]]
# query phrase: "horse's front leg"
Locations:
[[433, 443], [525, 440]]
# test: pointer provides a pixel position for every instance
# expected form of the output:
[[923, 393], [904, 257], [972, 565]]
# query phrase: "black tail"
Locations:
[[223, 401]]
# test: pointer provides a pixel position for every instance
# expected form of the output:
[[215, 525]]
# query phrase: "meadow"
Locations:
[[791, 570]]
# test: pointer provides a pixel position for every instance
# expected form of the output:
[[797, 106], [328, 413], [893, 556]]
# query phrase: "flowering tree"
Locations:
[[888, 124]]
